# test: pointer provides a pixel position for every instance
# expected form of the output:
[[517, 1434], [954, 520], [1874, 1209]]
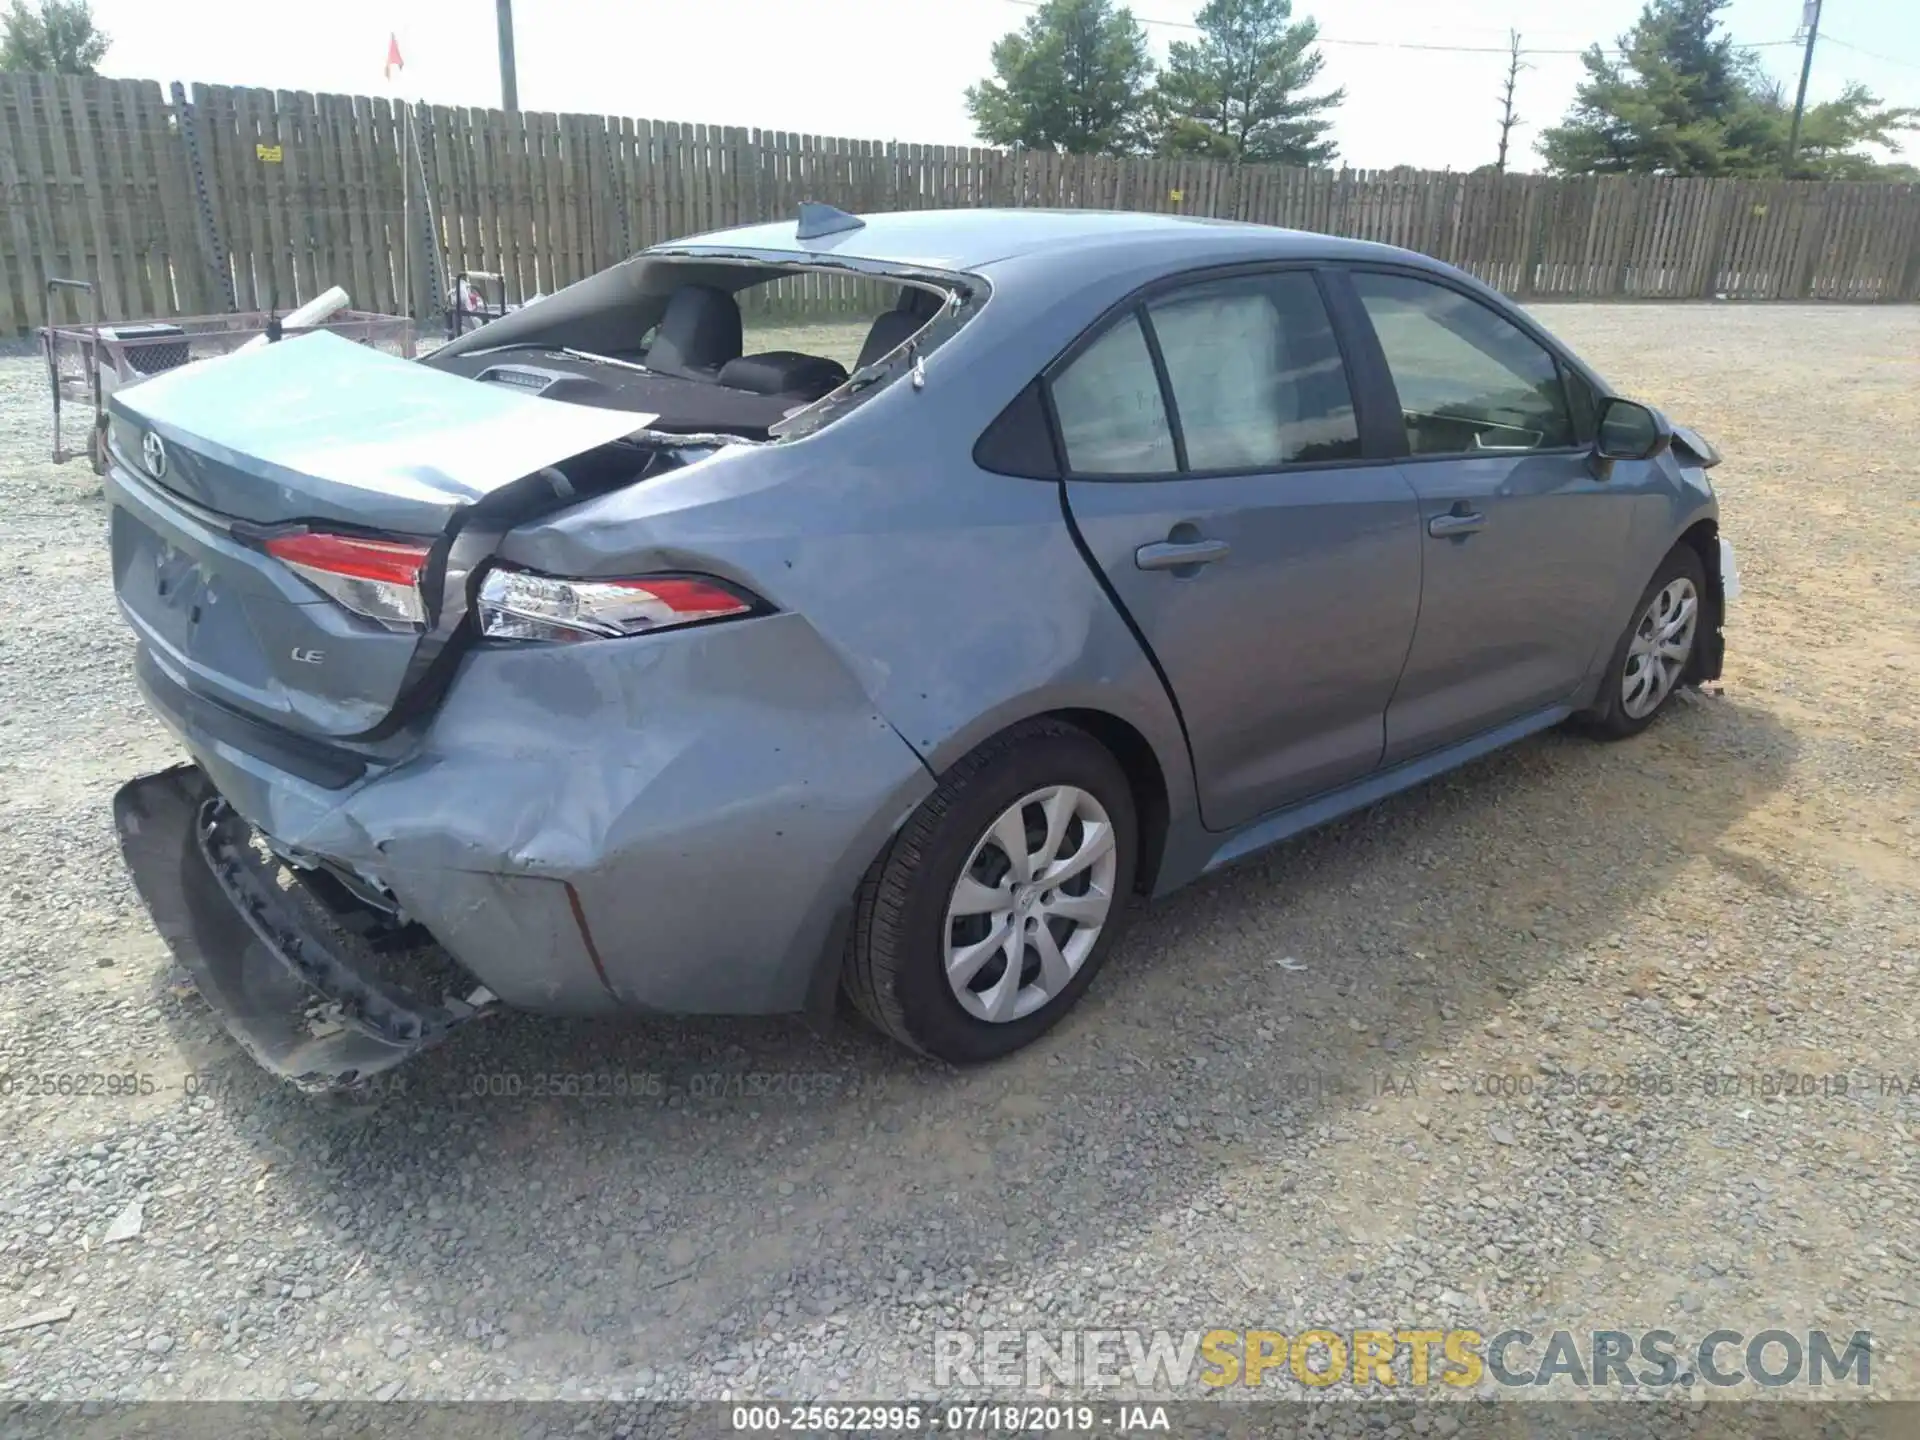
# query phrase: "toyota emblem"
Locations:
[[154, 451]]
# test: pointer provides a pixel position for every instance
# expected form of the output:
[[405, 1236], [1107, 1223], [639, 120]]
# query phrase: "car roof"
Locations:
[[975, 239]]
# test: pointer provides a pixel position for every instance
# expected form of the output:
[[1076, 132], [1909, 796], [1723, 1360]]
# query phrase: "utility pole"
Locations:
[[1507, 118], [1810, 22], [509, 85]]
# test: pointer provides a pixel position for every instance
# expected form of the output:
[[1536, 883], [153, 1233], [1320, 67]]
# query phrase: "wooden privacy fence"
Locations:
[[211, 198]]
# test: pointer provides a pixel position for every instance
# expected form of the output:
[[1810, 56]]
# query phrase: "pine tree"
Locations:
[[1239, 91], [1073, 78], [1685, 100]]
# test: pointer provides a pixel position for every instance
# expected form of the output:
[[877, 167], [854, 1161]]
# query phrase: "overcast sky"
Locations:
[[898, 69]]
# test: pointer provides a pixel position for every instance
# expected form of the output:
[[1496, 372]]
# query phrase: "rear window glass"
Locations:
[[718, 345], [827, 315], [782, 315], [835, 339]]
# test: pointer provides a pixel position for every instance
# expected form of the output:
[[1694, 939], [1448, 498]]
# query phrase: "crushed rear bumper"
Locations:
[[280, 983]]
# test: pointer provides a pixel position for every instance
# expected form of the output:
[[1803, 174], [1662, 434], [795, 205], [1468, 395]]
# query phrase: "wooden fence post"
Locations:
[[1811, 255], [1910, 276], [1719, 224], [1536, 233]]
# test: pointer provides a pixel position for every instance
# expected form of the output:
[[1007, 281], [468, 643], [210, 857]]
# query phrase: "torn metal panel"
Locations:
[[1695, 447], [277, 983], [521, 934], [663, 782]]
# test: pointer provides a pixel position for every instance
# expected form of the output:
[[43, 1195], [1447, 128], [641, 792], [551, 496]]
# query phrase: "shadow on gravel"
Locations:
[[712, 1173]]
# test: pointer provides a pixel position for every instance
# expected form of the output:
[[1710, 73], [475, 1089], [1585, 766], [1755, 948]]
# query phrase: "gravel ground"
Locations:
[[1271, 1111]]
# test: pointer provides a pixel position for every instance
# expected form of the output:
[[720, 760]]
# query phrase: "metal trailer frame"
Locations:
[[459, 317], [86, 363]]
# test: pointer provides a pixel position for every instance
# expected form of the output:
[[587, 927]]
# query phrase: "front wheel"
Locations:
[[1652, 658], [986, 918]]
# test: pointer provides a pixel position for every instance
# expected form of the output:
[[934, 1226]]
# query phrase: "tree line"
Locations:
[[1675, 96], [58, 37]]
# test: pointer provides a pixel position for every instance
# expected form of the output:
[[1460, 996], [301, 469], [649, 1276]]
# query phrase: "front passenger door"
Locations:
[[1522, 539], [1212, 453]]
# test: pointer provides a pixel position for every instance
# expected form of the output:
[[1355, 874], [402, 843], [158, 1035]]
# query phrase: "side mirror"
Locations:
[[1631, 431]]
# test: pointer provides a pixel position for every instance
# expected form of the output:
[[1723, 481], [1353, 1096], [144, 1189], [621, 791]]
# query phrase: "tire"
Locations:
[[904, 937], [1622, 707]]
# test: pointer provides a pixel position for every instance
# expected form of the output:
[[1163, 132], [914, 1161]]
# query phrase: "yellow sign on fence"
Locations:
[[269, 154]]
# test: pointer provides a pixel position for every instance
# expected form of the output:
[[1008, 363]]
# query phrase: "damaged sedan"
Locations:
[[595, 664]]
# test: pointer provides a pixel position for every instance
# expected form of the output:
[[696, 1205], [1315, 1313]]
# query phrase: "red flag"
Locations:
[[394, 62]]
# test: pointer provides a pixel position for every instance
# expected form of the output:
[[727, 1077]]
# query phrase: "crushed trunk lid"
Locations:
[[214, 460], [320, 428]]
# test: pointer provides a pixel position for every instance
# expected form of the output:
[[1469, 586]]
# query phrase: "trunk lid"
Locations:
[[320, 428], [320, 432]]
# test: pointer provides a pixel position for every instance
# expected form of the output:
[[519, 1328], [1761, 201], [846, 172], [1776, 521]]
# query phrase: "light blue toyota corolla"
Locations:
[[591, 665]]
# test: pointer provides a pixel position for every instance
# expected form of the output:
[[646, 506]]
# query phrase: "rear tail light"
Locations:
[[379, 579], [519, 605]]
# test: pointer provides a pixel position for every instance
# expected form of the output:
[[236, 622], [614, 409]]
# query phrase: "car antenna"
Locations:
[[817, 220]]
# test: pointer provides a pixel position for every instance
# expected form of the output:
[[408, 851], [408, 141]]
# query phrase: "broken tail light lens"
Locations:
[[379, 579], [520, 605]]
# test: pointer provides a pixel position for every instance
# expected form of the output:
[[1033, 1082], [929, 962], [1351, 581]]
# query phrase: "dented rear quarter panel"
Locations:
[[708, 800]]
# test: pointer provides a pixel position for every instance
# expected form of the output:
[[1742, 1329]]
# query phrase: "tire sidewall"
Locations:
[[934, 1016], [1611, 713]]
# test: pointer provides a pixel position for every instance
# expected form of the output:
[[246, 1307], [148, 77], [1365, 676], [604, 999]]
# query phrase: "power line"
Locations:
[[1833, 39], [1408, 44]]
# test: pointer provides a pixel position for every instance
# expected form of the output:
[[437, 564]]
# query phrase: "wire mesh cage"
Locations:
[[87, 363]]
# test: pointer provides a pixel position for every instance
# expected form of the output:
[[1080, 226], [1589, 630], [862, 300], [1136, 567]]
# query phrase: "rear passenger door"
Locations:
[[1523, 538], [1214, 471]]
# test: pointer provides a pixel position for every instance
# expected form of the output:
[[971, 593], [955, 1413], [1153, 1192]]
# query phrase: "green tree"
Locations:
[[1074, 77], [1239, 91], [61, 39], [1680, 101], [1683, 99], [1836, 134]]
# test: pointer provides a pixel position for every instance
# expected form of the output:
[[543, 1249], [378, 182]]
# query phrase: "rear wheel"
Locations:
[[988, 915], [1652, 658]]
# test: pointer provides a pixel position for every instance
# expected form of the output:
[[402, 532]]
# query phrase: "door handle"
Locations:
[[1442, 526], [1178, 555]]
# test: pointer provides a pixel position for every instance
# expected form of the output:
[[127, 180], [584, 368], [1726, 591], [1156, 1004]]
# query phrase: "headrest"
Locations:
[[889, 331], [913, 308], [915, 301], [699, 333]]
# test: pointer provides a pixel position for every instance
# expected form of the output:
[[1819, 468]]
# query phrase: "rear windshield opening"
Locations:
[[703, 345]]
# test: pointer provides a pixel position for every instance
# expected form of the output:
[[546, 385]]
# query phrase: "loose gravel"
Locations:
[[1337, 1086]]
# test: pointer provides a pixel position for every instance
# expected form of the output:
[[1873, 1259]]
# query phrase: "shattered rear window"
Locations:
[[754, 346]]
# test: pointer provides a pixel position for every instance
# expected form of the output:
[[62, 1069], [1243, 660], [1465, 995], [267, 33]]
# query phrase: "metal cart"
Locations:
[[87, 363], [478, 297]]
